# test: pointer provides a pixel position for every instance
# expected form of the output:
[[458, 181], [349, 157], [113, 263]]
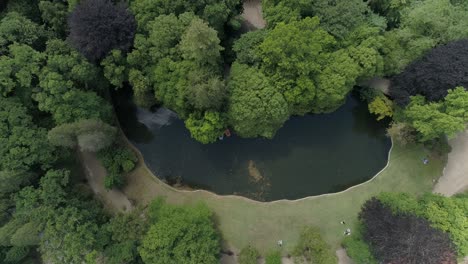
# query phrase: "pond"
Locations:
[[310, 155]]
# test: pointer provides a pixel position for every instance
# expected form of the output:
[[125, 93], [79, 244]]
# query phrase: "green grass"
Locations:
[[242, 221]]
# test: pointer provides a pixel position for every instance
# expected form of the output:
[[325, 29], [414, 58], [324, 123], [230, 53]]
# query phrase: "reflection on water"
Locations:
[[155, 120], [310, 155]]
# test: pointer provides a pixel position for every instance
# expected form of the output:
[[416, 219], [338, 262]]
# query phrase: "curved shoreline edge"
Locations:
[[141, 162]]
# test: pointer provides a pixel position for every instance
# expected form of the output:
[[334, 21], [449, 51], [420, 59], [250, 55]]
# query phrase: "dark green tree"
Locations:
[[255, 108]]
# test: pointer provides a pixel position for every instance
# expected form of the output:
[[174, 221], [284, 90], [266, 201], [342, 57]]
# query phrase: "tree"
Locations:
[[23, 146], [255, 108], [88, 135], [456, 103], [313, 249], [15, 28], [70, 235], [54, 14], [115, 68], [424, 25], [117, 161], [441, 69], [200, 44], [246, 47], [390, 9], [206, 127], [293, 55], [404, 238], [19, 69], [339, 17], [181, 235], [206, 92], [216, 12], [11, 182], [72, 105], [447, 214], [382, 107], [248, 255], [99, 26], [431, 119], [125, 241]]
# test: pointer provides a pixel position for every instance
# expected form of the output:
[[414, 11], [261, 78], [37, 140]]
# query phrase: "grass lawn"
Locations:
[[242, 221]]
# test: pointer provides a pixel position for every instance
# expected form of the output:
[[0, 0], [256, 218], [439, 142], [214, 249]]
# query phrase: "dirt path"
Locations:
[[343, 257], [95, 173], [455, 177], [253, 14]]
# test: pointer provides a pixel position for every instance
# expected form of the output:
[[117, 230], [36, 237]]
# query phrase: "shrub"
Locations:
[[403, 133], [248, 255], [117, 161], [313, 248]]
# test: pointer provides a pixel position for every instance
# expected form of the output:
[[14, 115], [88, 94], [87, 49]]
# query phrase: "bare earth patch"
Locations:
[[253, 14], [455, 176]]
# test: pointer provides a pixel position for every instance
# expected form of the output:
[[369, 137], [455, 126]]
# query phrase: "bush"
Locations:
[[403, 133], [248, 255], [273, 258], [117, 160], [313, 248]]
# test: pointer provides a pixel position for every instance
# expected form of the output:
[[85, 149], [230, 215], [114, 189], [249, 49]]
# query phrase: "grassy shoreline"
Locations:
[[242, 221]]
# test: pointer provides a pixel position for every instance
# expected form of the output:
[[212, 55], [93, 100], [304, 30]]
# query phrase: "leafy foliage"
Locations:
[[444, 213], [180, 235], [382, 107], [313, 249], [403, 238], [117, 161], [434, 120], [99, 26], [87, 134], [216, 12], [255, 107], [23, 146], [15, 28], [424, 25], [357, 249], [206, 128], [441, 69]]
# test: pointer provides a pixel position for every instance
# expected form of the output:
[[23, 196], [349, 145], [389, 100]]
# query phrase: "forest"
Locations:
[[60, 61]]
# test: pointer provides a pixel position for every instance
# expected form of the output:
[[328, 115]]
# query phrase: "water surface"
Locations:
[[310, 155]]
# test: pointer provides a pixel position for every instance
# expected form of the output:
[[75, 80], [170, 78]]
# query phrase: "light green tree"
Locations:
[[206, 127], [181, 235], [381, 106]]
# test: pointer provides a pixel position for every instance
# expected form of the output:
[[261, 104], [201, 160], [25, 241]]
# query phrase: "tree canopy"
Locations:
[[99, 26], [180, 235], [404, 238], [441, 69]]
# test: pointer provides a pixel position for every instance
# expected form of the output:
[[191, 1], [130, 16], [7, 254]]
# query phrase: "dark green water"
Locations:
[[310, 155]]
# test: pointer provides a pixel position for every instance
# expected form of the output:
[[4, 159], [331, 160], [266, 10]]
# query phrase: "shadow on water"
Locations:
[[309, 155]]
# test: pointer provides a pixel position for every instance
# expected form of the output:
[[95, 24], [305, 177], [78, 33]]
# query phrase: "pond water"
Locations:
[[310, 155]]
